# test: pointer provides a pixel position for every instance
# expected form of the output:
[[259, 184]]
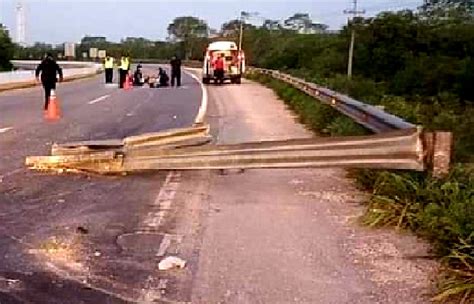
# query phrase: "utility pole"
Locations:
[[355, 13], [241, 33], [244, 15]]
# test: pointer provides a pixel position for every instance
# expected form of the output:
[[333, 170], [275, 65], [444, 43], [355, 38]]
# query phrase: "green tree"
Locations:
[[444, 8], [7, 49], [444, 4], [190, 31]]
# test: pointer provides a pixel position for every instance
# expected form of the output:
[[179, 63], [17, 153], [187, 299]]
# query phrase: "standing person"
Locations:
[[219, 69], [49, 70], [175, 71], [109, 69], [123, 70]]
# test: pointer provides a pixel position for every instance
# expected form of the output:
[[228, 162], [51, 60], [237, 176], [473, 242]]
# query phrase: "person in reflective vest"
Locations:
[[109, 69], [123, 70]]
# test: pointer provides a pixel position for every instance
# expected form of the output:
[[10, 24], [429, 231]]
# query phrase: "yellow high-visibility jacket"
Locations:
[[109, 64], [125, 64]]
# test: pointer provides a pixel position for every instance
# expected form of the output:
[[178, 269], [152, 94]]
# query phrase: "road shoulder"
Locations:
[[291, 236]]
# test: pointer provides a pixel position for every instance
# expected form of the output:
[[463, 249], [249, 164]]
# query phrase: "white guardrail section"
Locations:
[[71, 69]]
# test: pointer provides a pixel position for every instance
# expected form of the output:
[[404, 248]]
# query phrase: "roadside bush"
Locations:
[[439, 210], [344, 126]]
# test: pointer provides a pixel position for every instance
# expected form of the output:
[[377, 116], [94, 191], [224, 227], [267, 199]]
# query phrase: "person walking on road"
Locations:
[[123, 70], [49, 70], [109, 69], [175, 71]]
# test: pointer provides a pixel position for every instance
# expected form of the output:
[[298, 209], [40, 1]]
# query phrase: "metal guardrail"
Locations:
[[184, 149], [398, 145], [369, 116]]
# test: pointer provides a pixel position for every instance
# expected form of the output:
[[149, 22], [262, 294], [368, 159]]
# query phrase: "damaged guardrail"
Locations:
[[397, 145], [186, 149]]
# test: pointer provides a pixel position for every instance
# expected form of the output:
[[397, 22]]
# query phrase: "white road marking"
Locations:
[[3, 130], [204, 100], [162, 204], [153, 220], [165, 244], [98, 99]]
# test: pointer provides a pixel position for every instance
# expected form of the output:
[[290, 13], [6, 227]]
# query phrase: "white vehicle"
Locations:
[[234, 62]]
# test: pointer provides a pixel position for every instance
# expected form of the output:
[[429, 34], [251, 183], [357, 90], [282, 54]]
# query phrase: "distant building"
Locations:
[[93, 40], [314, 28], [69, 50]]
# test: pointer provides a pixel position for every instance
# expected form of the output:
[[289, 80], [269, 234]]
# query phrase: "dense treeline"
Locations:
[[402, 52]]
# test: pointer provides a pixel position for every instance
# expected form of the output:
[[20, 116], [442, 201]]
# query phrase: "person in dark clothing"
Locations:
[[138, 76], [163, 78], [175, 71], [49, 70]]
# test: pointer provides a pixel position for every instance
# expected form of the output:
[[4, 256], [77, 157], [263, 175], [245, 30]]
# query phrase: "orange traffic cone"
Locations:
[[53, 113], [128, 83]]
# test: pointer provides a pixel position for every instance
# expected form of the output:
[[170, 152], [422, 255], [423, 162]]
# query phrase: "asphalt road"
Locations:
[[254, 236], [45, 218]]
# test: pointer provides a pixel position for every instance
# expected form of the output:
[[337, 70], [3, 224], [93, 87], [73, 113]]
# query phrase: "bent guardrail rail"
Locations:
[[187, 149]]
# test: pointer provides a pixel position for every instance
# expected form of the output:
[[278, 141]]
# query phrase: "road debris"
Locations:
[[82, 230], [183, 149], [171, 262]]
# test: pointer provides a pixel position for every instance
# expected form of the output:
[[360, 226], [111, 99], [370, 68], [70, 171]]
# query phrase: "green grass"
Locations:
[[440, 210]]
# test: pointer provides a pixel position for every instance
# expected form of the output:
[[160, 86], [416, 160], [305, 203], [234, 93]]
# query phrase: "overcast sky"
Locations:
[[57, 21]]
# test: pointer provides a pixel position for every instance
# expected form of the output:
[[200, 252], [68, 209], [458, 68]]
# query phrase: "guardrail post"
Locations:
[[443, 144], [438, 149]]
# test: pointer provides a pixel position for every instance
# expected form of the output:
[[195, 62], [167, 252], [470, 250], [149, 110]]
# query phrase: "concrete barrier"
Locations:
[[22, 79]]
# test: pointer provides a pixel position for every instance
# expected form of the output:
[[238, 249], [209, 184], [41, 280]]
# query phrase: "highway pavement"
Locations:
[[253, 236], [39, 210]]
